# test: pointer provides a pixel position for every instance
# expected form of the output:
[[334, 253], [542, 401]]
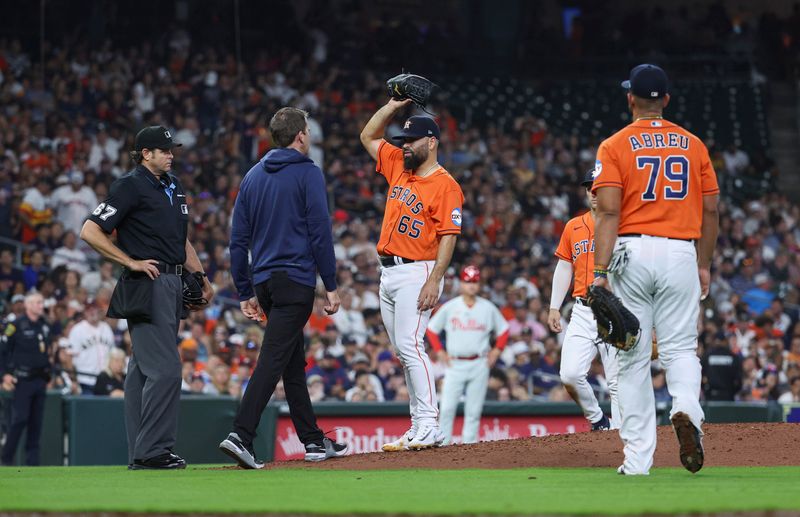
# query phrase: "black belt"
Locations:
[[581, 301], [670, 238], [391, 260], [170, 269]]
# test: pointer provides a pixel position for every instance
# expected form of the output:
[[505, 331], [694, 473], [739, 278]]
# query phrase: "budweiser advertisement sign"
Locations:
[[368, 433]]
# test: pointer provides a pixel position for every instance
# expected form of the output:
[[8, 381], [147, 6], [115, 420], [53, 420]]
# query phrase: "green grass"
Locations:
[[519, 491]]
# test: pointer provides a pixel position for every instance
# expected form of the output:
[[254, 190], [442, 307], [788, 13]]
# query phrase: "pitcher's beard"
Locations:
[[412, 161]]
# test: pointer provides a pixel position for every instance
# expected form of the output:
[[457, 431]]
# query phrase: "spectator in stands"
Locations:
[[793, 395], [12, 279], [111, 381], [72, 202], [35, 270], [349, 321], [101, 278], [91, 341], [35, 208], [333, 375], [722, 370], [69, 255]]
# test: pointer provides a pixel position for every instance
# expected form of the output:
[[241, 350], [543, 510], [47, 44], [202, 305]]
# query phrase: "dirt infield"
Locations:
[[730, 445]]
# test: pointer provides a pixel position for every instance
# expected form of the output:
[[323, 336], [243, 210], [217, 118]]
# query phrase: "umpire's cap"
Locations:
[[417, 127], [588, 179], [154, 137], [647, 82]]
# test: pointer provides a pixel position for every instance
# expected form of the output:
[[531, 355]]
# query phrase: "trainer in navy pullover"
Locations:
[[281, 215]]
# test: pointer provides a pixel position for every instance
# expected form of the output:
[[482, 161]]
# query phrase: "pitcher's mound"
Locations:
[[758, 444]]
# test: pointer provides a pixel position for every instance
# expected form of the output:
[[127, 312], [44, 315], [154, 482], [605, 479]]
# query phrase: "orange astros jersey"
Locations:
[[418, 210], [664, 171], [577, 247]]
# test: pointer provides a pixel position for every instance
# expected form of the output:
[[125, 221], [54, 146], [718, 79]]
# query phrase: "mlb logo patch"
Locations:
[[598, 168], [185, 209], [455, 215]]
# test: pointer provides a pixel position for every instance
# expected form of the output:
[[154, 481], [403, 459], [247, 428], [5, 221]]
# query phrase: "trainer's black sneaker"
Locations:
[[242, 453], [168, 460], [602, 425], [327, 449], [690, 440]]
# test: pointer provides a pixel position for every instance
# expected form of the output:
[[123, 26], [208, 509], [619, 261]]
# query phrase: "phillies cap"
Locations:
[[588, 178], [647, 81], [154, 137], [471, 274], [417, 127]]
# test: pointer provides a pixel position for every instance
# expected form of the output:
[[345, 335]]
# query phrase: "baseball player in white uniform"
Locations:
[[468, 321], [576, 260], [90, 343], [421, 222]]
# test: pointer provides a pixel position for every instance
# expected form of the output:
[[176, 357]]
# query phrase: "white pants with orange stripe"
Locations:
[[400, 287], [661, 287], [577, 354]]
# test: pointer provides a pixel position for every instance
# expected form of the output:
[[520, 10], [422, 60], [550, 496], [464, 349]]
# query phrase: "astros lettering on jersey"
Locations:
[[671, 165], [577, 246], [418, 210]]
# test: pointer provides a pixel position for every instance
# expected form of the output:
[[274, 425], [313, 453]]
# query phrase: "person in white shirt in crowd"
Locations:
[[70, 256], [360, 366], [349, 321], [363, 296], [468, 321], [72, 202], [101, 278], [103, 146], [736, 160], [90, 342]]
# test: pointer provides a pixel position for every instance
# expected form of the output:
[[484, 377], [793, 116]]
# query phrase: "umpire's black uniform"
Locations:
[[151, 216], [25, 354]]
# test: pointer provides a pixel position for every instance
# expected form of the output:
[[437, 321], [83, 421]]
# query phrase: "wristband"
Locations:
[[600, 272]]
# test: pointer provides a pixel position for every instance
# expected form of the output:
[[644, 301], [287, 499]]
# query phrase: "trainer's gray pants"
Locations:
[[153, 383]]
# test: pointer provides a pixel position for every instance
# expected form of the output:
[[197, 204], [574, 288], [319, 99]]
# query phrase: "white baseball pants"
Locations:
[[577, 353], [661, 287], [472, 376], [399, 290]]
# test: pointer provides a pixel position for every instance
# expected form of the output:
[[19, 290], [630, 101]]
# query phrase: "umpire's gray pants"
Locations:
[[153, 384]]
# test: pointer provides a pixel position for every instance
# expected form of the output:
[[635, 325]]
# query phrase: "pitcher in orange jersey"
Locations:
[[421, 222], [575, 254], [657, 199]]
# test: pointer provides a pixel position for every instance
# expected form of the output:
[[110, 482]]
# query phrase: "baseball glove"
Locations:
[[193, 290], [410, 86], [616, 325]]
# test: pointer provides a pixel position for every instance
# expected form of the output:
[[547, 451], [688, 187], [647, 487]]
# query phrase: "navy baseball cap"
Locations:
[[154, 137], [647, 81], [588, 179], [417, 127]]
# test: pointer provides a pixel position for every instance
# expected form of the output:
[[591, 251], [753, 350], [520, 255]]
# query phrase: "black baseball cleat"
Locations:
[[690, 440], [167, 460], [602, 425], [242, 453], [328, 449]]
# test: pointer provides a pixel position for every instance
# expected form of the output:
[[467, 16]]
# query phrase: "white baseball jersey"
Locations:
[[90, 346], [73, 207], [468, 328]]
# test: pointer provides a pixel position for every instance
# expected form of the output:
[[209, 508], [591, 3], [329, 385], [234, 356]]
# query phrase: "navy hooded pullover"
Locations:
[[281, 215]]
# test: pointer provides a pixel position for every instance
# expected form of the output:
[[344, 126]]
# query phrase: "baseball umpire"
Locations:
[[657, 197], [148, 209]]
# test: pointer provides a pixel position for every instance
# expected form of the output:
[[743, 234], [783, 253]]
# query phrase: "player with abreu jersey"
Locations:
[[421, 222], [469, 322], [657, 198], [575, 254]]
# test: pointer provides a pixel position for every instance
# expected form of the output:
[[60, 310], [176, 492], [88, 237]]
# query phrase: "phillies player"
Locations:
[[421, 222], [468, 321], [575, 254], [657, 198]]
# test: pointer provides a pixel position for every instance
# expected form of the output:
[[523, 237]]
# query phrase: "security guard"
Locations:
[[148, 209], [25, 369]]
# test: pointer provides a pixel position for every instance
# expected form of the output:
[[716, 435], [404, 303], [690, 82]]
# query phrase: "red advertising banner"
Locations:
[[369, 433]]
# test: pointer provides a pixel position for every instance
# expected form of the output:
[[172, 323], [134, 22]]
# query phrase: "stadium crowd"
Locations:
[[64, 140]]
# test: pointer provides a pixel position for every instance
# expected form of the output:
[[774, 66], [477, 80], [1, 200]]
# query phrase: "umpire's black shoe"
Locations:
[[602, 425], [242, 453], [327, 449], [691, 443], [167, 460]]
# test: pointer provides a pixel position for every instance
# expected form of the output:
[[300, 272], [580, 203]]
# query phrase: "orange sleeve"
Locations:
[[564, 250], [447, 214], [390, 161], [606, 167], [708, 176]]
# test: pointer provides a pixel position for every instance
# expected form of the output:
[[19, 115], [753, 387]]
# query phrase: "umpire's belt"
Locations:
[[170, 269], [670, 238], [393, 260]]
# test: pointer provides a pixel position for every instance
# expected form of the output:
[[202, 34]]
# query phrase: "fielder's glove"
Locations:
[[193, 290], [410, 86], [616, 325]]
